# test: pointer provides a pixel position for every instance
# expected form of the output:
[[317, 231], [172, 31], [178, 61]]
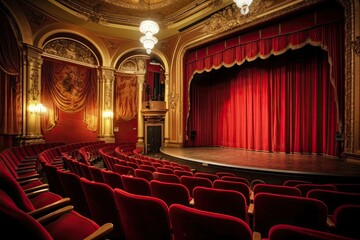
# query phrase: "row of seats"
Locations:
[[118, 184], [228, 202]]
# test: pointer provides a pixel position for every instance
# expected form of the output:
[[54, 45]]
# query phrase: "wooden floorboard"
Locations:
[[260, 164]]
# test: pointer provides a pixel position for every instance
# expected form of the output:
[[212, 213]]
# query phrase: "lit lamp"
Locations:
[[244, 6], [37, 108], [149, 28], [108, 114]]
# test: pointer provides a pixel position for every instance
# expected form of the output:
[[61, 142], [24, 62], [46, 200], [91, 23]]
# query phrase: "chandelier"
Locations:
[[244, 6], [149, 28]]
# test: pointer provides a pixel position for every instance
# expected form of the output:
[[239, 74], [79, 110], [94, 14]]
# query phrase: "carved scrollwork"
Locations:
[[173, 99], [70, 49], [230, 17]]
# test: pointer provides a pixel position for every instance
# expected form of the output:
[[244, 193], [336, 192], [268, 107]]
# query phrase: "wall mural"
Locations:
[[126, 100]]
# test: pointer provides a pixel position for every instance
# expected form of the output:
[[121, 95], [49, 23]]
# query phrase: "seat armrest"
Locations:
[[256, 236], [101, 232], [23, 178], [55, 214], [251, 209], [330, 224], [33, 189], [49, 208], [37, 192]]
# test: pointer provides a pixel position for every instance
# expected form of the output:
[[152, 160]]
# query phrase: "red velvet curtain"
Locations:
[[282, 104], [70, 88], [10, 89], [285, 97]]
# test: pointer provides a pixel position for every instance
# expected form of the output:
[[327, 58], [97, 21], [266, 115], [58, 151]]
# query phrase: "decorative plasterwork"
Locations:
[[135, 64], [356, 45], [70, 49], [230, 17], [173, 100]]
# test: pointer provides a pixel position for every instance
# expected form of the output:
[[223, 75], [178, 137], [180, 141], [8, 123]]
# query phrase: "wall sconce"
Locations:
[[37, 108], [108, 114]]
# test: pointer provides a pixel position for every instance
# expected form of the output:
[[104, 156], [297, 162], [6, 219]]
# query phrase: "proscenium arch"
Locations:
[[349, 7]]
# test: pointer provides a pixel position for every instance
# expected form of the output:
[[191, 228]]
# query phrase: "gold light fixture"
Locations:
[[149, 28], [37, 108], [244, 6]]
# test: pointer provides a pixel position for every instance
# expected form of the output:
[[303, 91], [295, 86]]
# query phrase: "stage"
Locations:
[[272, 167]]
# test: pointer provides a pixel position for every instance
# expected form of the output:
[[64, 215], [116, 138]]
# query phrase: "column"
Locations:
[[32, 95], [106, 90], [166, 133], [140, 123]]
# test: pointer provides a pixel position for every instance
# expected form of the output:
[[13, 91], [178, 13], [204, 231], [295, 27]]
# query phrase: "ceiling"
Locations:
[[121, 18]]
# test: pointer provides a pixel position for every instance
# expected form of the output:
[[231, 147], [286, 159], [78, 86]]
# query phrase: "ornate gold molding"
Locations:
[[173, 99], [230, 17], [356, 45]]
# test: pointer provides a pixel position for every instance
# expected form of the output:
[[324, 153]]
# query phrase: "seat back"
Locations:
[[294, 182], [277, 189], [166, 177], [194, 224], [334, 199], [143, 173], [223, 201], [191, 182], [101, 202], [306, 187], [26, 226], [271, 209], [236, 179], [347, 221], [143, 217], [96, 174], [164, 170], [221, 174], [237, 186], [170, 193], [211, 176], [73, 189], [113, 179], [286, 232], [136, 185], [180, 172], [124, 170], [85, 171]]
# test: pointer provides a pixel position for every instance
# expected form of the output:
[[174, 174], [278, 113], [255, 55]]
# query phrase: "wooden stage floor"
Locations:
[[254, 163]]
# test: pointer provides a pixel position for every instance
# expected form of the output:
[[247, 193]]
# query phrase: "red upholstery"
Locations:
[[136, 185], [271, 209], [294, 182], [69, 225], [14, 190], [113, 179], [306, 187], [166, 177], [222, 174], [180, 173], [73, 189], [170, 192], [236, 179], [286, 232], [147, 167], [223, 201], [237, 186], [277, 189], [85, 171], [347, 221], [191, 182], [164, 170], [102, 206], [212, 177], [142, 173], [124, 170], [96, 174], [193, 224], [143, 217], [334, 199], [53, 179]]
